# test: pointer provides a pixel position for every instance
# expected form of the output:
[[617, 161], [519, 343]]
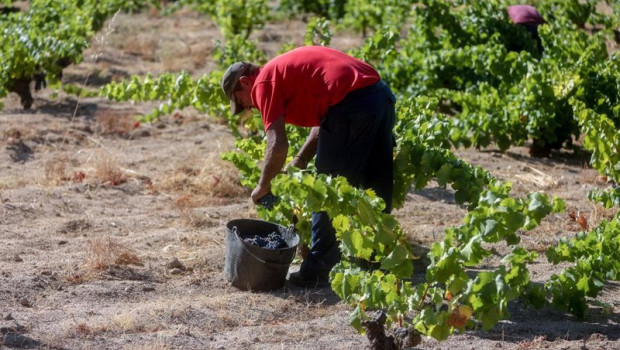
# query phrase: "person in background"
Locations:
[[529, 18], [351, 113]]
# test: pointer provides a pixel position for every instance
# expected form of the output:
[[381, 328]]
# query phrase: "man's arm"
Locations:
[[307, 151], [275, 157]]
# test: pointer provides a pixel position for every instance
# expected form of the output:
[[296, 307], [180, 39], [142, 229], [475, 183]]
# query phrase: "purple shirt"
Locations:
[[524, 14]]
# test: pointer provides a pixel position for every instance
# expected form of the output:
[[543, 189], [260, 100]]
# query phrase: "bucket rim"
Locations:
[[280, 229]]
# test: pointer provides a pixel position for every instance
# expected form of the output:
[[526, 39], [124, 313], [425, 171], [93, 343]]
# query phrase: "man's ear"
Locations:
[[245, 81]]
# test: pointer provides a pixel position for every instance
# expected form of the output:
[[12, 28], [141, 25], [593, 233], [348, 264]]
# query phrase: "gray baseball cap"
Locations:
[[230, 80]]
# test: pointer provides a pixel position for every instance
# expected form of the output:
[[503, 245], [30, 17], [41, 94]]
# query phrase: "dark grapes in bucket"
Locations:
[[272, 241]]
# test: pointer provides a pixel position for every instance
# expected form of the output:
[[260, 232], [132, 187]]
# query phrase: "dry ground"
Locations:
[[113, 233]]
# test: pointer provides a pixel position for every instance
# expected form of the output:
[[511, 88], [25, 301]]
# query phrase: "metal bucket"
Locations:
[[250, 267]]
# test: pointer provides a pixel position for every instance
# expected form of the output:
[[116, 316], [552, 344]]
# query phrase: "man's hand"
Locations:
[[259, 192], [307, 151], [297, 162], [275, 156]]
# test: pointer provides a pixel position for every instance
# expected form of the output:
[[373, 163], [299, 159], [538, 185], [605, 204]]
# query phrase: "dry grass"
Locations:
[[83, 330], [213, 182], [530, 177], [537, 177], [51, 341], [200, 53], [228, 313], [125, 322], [185, 207], [102, 254], [133, 35], [162, 315], [159, 316], [56, 171], [12, 135], [213, 178], [536, 343], [12, 182], [106, 252], [157, 344], [186, 204], [588, 176], [175, 56], [600, 213], [116, 122], [143, 45], [196, 183], [107, 171], [60, 170]]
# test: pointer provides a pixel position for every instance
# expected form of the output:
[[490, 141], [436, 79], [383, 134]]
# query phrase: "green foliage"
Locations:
[[368, 234], [423, 154], [235, 18], [363, 15], [330, 9], [609, 20], [601, 138], [240, 17], [36, 40], [318, 32], [379, 46], [245, 160], [609, 197], [78, 91], [498, 217], [596, 258], [490, 75], [176, 92], [48, 36], [578, 12], [237, 49]]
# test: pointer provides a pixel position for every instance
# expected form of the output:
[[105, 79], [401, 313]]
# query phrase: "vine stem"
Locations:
[[400, 317], [423, 297]]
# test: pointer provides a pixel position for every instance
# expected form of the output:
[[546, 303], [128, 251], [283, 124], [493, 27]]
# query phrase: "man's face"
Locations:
[[243, 97], [244, 94]]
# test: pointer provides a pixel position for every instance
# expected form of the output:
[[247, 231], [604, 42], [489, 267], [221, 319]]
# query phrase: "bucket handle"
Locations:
[[254, 256]]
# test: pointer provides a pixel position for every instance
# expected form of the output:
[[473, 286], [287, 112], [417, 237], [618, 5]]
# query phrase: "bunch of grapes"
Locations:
[[272, 241], [275, 241], [256, 240]]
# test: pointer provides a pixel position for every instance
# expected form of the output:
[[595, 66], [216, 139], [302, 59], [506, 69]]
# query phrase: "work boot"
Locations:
[[300, 280]]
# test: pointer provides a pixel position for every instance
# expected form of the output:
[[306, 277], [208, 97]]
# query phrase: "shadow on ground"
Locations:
[[12, 337], [437, 194], [66, 108], [577, 156], [527, 324], [20, 152]]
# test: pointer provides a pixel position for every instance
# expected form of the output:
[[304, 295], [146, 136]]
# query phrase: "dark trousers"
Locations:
[[533, 29], [355, 141]]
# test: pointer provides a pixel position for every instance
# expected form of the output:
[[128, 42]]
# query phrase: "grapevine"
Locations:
[[50, 35]]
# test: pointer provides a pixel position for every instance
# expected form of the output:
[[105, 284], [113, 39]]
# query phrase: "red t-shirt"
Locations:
[[524, 14], [303, 83]]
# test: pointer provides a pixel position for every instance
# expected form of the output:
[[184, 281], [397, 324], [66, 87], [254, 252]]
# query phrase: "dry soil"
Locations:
[[113, 232]]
